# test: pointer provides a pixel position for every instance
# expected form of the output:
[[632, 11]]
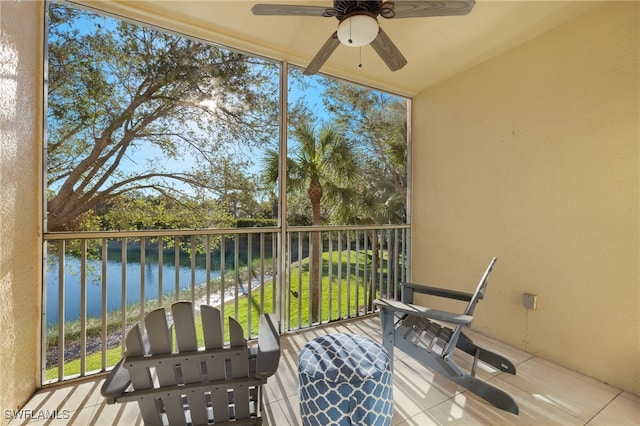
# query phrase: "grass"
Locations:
[[343, 302]]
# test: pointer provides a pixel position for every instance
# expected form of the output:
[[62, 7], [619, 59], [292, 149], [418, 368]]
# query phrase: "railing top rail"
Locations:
[[346, 227], [159, 233], [209, 231]]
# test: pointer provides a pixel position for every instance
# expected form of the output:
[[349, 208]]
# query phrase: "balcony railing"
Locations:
[[98, 284]]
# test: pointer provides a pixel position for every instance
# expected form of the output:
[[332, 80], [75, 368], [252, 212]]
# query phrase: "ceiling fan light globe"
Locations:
[[358, 30]]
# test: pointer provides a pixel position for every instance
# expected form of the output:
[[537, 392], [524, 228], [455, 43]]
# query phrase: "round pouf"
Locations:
[[345, 379]]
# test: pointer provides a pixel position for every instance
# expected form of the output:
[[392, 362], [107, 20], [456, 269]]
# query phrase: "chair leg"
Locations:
[[387, 322]]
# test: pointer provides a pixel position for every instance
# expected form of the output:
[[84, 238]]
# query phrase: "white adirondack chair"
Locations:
[[189, 385]]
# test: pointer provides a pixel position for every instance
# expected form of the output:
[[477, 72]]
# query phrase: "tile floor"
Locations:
[[546, 393]]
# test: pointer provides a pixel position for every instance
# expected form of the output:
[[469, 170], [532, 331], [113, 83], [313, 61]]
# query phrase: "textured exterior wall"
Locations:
[[20, 199], [533, 157]]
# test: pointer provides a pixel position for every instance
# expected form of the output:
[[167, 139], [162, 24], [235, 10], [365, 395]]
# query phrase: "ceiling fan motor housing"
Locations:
[[346, 8]]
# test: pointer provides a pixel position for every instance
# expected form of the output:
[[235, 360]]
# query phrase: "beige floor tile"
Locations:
[[68, 397], [284, 383], [369, 327], [534, 409], [274, 415], [82, 416], [117, 414], [552, 385], [285, 412], [590, 381], [416, 388], [623, 410], [62, 404], [450, 412]]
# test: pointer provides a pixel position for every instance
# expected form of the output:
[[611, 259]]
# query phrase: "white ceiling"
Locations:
[[436, 48]]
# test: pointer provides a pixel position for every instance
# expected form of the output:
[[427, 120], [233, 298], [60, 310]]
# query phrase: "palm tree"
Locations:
[[324, 164], [382, 189]]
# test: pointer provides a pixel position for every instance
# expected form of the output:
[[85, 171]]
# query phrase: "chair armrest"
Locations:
[[423, 312], [268, 346], [116, 383], [439, 292]]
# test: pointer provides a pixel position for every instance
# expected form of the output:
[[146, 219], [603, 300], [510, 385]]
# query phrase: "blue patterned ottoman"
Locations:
[[345, 379]]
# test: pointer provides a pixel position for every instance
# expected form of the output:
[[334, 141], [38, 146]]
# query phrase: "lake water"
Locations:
[[114, 284]]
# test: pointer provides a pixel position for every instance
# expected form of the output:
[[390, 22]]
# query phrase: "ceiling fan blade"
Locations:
[[292, 10], [416, 9], [388, 51], [323, 54]]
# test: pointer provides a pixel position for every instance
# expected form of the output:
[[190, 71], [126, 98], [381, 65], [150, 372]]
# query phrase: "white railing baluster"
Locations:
[[123, 292], [249, 285], [194, 248], [357, 268], [143, 261], [61, 324], [176, 262], [103, 310], [223, 267], [262, 255], [339, 274], [348, 236], [330, 289], [236, 270], [160, 270], [208, 266], [83, 307]]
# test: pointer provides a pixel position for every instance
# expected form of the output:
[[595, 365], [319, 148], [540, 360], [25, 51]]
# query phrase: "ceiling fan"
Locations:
[[358, 23]]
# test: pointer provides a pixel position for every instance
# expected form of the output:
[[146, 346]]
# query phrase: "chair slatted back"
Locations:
[[188, 384], [480, 288]]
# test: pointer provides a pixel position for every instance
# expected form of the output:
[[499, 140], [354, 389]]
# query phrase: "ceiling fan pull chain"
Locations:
[[360, 64]]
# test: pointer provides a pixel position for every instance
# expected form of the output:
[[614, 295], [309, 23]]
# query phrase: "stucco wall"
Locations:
[[20, 205], [533, 157]]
